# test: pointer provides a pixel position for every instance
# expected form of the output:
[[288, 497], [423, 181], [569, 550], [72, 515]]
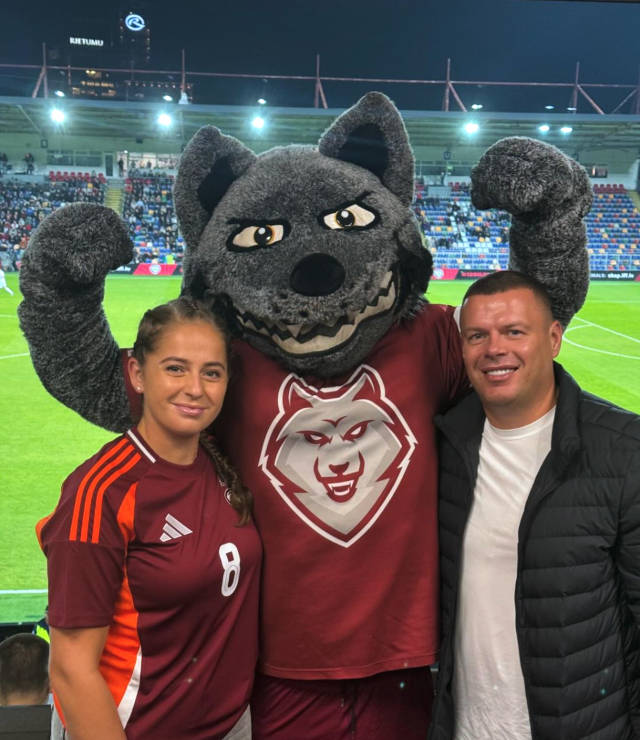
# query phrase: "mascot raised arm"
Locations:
[[340, 364]]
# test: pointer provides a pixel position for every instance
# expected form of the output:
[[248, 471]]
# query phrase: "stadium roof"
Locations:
[[304, 125]]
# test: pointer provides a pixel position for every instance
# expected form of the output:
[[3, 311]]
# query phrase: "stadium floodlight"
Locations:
[[167, 98], [543, 128], [549, 107], [258, 122], [57, 116], [59, 93], [477, 106], [566, 130], [262, 101], [471, 127], [572, 108], [164, 119]]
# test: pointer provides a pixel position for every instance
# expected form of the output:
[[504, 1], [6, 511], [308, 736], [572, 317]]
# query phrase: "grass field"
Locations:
[[41, 441]]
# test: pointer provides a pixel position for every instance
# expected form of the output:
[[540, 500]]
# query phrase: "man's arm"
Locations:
[[627, 554]]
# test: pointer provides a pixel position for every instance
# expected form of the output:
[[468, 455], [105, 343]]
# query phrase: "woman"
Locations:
[[153, 561]]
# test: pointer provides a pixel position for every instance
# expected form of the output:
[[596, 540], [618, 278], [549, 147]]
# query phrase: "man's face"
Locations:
[[509, 341]]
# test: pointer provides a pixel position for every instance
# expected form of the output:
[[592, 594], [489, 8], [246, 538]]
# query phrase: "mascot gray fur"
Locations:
[[316, 257]]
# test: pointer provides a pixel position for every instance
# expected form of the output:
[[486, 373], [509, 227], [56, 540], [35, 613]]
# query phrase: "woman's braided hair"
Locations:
[[151, 327]]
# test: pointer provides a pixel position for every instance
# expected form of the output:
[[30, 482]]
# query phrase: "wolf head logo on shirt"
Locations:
[[336, 455]]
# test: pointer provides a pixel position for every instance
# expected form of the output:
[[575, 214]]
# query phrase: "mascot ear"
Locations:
[[209, 164], [372, 135]]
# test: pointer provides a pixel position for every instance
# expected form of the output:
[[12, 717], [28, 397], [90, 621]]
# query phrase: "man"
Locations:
[[24, 670], [539, 536]]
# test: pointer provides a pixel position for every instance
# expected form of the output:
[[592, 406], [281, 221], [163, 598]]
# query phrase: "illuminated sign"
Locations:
[[79, 41], [134, 22]]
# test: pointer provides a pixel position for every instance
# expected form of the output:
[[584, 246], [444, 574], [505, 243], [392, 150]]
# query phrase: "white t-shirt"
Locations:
[[488, 686]]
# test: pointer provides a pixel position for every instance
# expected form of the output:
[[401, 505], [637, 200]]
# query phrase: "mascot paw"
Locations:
[[79, 243], [529, 178]]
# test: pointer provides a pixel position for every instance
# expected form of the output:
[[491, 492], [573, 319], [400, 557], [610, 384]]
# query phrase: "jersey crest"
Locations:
[[337, 455]]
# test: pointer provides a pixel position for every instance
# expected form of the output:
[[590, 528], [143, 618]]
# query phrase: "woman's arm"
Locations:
[[88, 707]]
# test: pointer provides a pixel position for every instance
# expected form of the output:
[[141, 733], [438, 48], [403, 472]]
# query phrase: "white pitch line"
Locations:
[[8, 315], [24, 591], [604, 328], [8, 357], [587, 324]]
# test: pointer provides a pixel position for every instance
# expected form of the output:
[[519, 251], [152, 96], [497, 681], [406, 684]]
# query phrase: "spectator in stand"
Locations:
[[24, 672], [121, 167], [138, 208], [169, 650], [29, 161]]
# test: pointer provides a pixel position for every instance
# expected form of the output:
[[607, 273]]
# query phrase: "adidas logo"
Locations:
[[173, 529]]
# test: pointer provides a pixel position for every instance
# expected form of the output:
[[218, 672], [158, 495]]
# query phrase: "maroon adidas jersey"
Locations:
[[153, 549]]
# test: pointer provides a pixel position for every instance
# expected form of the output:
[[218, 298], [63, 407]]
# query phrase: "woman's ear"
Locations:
[[135, 374]]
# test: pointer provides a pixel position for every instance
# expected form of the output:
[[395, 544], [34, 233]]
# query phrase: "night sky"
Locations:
[[515, 40]]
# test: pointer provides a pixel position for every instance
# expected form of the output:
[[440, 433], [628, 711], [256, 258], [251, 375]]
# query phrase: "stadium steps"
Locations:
[[114, 198]]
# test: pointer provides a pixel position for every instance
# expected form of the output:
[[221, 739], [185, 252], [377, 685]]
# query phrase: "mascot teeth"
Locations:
[[302, 339]]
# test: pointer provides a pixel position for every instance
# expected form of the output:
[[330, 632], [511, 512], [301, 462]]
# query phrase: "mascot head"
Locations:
[[313, 250]]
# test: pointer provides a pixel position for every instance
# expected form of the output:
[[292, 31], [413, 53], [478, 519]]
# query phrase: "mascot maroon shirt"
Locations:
[[344, 477]]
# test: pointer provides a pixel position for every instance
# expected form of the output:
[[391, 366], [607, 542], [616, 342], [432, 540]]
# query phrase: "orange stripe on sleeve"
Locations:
[[98, 477], [126, 514], [73, 530], [97, 517], [40, 526]]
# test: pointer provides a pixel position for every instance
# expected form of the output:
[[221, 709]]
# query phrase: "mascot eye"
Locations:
[[316, 438], [356, 431], [258, 236], [353, 216], [345, 218]]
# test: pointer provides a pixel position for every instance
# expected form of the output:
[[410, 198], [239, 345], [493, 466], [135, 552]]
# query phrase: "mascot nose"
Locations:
[[317, 274]]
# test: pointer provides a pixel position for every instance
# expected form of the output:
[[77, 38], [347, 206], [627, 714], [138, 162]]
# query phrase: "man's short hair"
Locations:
[[503, 280], [24, 666]]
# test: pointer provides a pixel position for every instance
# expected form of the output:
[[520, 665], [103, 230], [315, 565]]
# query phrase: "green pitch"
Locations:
[[42, 442]]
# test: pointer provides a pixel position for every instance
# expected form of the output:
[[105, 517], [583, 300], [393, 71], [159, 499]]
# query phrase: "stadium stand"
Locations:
[[148, 209], [613, 229], [24, 203], [463, 238], [458, 235]]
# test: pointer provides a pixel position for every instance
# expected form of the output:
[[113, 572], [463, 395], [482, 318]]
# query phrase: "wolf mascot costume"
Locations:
[[315, 255]]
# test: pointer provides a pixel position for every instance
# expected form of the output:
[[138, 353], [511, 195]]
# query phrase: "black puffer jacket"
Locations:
[[578, 585]]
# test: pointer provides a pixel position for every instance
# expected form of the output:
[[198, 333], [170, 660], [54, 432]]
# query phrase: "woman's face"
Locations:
[[184, 380]]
